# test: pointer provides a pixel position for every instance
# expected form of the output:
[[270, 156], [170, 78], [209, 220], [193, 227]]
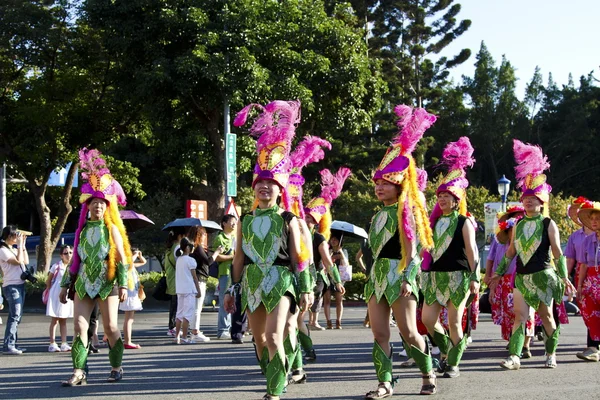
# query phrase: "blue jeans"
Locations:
[[223, 319], [15, 296]]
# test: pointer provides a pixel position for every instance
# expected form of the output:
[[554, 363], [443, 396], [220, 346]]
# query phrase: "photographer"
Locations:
[[12, 262]]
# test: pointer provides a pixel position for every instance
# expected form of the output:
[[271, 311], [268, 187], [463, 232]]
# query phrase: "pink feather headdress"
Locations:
[[412, 124], [531, 163], [320, 207], [309, 150], [274, 129]]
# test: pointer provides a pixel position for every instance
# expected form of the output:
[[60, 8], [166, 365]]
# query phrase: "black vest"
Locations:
[[455, 256], [392, 249], [318, 239], [540, 260]]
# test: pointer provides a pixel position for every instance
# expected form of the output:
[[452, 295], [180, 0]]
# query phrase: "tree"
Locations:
[[407, 34], [495, 117], [184, 60], [56, 98]]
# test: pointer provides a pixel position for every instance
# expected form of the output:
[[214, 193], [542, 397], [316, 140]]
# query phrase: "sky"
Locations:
[[561, 37]]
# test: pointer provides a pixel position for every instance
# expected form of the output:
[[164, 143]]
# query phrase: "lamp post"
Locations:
[[503, 189]]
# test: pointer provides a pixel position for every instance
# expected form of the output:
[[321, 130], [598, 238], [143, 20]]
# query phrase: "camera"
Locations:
[[27, 274]]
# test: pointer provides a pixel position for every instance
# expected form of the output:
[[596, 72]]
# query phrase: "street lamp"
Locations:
[[503, 189]]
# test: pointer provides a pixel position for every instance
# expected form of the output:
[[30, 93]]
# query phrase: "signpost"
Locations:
[[231, 170]]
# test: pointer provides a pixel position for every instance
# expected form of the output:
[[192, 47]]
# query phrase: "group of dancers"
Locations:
[[282, 254], [282, 262]]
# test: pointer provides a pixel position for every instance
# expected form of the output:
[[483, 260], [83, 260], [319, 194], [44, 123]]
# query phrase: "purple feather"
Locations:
[[332, 185], [413, 125]]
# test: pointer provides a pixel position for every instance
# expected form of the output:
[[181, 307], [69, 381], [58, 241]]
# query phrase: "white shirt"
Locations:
[[184, 282], [10, 272]]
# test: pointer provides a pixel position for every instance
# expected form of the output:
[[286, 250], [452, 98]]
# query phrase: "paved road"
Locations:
[[220, 370]]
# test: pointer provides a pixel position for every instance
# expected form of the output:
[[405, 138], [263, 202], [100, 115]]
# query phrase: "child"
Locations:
[[54, 308], [188, 289], [133, 302]]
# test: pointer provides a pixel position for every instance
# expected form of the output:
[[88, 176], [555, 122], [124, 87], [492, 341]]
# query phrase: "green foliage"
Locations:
[[355, 288]]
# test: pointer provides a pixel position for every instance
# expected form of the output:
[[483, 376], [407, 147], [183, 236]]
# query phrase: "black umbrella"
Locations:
[[134, 221], [210, 226]]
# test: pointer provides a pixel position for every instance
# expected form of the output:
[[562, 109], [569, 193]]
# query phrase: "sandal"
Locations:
[[270, 397], [384, 390], [132, 346], [115, 376], [75, 380], [338, 324], [429, 388], [408, 363], [329, 325], [298, 377], [550, 361]]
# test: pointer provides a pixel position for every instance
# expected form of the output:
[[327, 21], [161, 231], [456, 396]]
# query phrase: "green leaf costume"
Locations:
[[542, 286], [384, 279], [445, 286], [264, 239]]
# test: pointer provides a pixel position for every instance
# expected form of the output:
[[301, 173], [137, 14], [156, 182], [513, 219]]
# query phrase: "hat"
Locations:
[[274, 129], [319, 207], [531, 162], [309, 150], [573, 208], [100, 183], [585, 212], [507, 220]]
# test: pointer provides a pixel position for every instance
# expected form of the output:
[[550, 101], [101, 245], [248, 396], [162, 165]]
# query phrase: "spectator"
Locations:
[[225, 238], [198, 235], [187, 290], [12, 262], [172, 244], [133, 302], [54, 308]]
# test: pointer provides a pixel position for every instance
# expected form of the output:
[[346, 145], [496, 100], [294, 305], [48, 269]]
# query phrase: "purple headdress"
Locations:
[[531, 163], [274, 129], [308, 151]]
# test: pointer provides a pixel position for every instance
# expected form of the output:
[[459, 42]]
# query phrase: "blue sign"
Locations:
[[58, 177]]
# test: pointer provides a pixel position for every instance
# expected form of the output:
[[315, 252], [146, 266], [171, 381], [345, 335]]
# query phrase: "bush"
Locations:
[[355, 289]]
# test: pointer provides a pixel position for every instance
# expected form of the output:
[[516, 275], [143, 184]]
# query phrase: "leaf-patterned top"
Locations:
[[263, 236], [93, 249], [443, 233], [528, 237], [383, 227]]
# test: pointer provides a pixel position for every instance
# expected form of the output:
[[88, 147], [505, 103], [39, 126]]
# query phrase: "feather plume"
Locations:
[[91, 162], [404, 113], [411, 134], [530, 161], [309, 150], [421, 179], [276, 123], [458, 155], [332, 185]]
